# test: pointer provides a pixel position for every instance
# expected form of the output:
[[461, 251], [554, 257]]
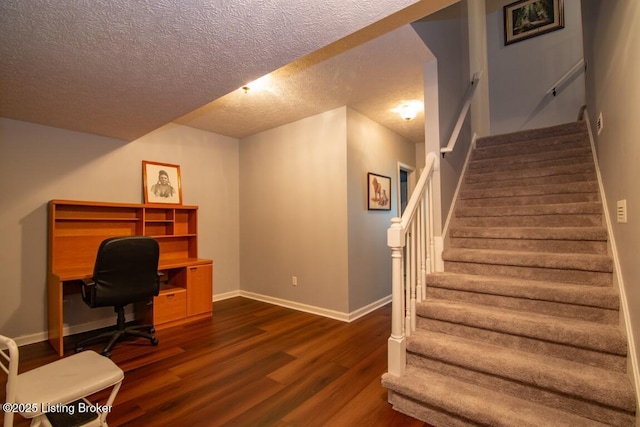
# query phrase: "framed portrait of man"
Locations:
[[161, 182]]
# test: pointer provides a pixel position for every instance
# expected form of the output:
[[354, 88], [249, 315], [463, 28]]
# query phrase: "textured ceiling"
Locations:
[[373, 78], [123, 68]]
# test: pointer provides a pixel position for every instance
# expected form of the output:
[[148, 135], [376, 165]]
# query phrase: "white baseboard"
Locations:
[[67, 330], [108, 322], [226, 295], [624, 303], [332, 314]]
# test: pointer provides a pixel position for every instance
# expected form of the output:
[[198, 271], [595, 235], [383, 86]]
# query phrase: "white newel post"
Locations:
[[396, 344]]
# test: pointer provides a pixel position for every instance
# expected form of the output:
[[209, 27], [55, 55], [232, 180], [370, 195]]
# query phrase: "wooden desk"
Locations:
[[75, 232]]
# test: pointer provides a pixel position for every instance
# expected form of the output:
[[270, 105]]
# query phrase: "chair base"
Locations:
[[120, 333]]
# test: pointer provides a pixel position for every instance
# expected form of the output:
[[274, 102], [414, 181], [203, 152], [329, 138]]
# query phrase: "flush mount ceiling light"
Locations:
[[408, 110], [256, 85]]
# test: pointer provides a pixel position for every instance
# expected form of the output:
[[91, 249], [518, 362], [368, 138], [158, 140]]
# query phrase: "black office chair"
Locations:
[[125, 272]]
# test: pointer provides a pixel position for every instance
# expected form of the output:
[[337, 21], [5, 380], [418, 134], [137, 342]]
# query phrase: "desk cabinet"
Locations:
[[185, 295], [199, 294], [76, 230]]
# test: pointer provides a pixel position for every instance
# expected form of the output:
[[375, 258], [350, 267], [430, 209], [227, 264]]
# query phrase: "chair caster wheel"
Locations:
[[154, 342], [79, 349]]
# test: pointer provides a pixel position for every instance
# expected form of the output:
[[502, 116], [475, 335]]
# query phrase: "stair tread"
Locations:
[[591, 296], [562, 376], [473, 402], [577, 261], [578, 333]]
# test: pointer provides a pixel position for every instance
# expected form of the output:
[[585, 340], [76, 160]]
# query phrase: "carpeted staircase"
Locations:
[[522, 328]]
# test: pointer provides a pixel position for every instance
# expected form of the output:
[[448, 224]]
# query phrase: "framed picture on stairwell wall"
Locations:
[[524, 19], [378, 192]]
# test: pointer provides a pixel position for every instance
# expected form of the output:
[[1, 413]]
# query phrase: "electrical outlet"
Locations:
[[294, 280], [599, 123], [622, 211]]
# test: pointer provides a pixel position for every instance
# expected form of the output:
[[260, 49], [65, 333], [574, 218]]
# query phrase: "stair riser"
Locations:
[[519, 182], [531, 273], [550, 398], [527, 160], [557, 171], [559, 209], [595, 234], [433, 416], [534, 147], [592, 220], [577, 128], [505, 141], [530, 245], [551, 308], [538, 190], [531, 200], [480, 169]]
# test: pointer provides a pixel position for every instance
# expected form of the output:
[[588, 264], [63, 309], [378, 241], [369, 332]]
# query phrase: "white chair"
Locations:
[[55, 394]]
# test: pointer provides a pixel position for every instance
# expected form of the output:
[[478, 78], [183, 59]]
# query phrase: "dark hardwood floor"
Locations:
[[252, 364]]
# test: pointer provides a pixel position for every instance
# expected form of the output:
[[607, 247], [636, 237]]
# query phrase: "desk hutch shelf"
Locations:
[[76, 229]]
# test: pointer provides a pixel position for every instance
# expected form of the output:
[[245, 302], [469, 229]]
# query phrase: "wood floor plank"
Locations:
[[252, 364]]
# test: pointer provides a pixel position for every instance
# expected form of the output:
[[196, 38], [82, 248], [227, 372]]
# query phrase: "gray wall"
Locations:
[[446, 34], [521, 73], [612, 43], [371, 148], [303, 212], [293, 212], [40, 163]]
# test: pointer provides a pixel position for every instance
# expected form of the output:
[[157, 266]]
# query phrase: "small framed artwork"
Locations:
[[378, 192], [529, 18], [161, 182]]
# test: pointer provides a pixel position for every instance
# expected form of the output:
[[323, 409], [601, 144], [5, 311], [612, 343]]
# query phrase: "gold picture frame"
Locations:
[[525, 19]]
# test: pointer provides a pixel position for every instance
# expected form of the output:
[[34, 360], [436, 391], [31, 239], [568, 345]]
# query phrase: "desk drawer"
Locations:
[[170, 305]]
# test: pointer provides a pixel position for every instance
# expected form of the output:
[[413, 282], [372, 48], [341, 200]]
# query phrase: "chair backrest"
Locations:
[[9, 364], [125, 271]]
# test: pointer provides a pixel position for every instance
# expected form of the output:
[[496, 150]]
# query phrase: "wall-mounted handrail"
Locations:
[[553, 90], [464, 111]]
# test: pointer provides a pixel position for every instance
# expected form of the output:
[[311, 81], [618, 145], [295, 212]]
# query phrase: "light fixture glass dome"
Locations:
[[408, 110]]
